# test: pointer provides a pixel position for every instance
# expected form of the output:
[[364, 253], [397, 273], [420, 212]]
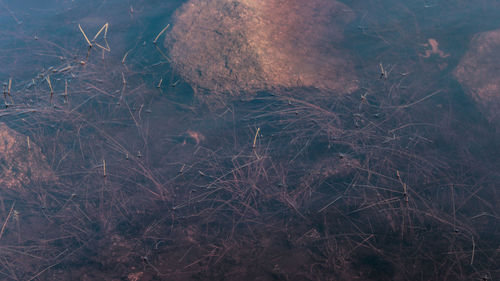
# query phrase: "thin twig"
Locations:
[[10, 86], [329, 204], [161, 32], [84, 35], [125, 56], [255, 138], [105, 26], [473, 250], [7, 219], [50, 86], [162, 53], [65, 91], [420, 100]]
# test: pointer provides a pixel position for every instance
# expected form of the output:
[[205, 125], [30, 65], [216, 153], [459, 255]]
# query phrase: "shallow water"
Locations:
[[158, 178]]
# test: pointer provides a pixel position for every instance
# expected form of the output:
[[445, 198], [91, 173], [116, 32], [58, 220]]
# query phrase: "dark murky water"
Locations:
[[121, 166]]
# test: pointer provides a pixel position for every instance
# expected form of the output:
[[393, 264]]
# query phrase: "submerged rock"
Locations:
[[21, 161], [479, 73], [235, 46]]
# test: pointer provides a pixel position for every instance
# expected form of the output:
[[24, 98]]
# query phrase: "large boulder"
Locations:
[[245, 46], [479, 73], [21, 162]]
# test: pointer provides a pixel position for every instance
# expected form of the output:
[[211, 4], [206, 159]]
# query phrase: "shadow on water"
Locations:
[[142, 180]]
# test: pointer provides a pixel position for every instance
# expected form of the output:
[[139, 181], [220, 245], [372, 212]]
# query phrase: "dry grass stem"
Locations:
[[105, 28], [254, 145], [10, 86], [473, 250], [7, 219], [125, 56], [66, 91], [85, 36], [50, 86], [161, 32]]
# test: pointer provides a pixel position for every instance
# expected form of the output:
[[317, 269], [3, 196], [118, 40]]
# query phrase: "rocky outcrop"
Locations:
[[479, 73], [236, 46], [21, 162]]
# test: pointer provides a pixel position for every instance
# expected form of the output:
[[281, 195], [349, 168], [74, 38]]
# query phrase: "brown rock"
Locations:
[[479, 72], [235, 46], [21, 164], [135, 276]]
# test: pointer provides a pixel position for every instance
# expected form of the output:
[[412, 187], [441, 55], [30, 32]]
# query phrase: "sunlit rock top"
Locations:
[[234, 46]]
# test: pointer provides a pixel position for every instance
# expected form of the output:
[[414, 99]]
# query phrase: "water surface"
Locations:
[[157, 176]]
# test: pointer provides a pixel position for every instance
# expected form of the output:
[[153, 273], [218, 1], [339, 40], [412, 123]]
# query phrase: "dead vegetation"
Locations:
[[376, 185]]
